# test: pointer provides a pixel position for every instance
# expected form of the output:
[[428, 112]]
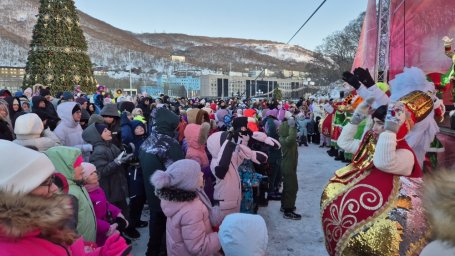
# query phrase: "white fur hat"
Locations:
[[23, 169]]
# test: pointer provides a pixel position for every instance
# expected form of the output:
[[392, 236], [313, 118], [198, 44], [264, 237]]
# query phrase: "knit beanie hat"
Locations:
[[183, 174], [239, 122], [88, 169], [100, 128], [76, 108], [81, 100], [243, 234], [19, 172], [67, 96], [380, 113]]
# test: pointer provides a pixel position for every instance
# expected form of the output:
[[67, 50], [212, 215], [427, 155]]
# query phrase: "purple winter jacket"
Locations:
[[101, 207]]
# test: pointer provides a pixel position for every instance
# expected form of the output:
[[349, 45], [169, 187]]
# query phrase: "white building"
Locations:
[[227, 86]]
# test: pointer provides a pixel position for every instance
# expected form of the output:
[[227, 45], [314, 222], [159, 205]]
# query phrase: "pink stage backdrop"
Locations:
[[366, 51], [416, 30]]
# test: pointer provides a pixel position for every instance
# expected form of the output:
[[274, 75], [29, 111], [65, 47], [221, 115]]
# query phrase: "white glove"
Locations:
[[396, 116], [361, 112], [112, 229], [447, 41], [122, 158]]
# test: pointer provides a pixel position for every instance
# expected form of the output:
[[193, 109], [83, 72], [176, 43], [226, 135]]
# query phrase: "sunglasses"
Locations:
[[48, 183]]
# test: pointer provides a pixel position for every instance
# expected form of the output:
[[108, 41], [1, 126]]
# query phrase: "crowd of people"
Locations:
[[199, 165], [78, 170]]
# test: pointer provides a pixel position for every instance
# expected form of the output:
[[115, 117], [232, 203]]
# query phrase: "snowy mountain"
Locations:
[[111, 48]]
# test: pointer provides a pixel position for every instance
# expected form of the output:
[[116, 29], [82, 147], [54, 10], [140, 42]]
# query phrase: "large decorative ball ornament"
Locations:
[[46, 17]]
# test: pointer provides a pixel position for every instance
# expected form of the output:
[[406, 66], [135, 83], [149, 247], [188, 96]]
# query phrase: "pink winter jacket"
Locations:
[[196, 137], [188, 229], [228, 191]]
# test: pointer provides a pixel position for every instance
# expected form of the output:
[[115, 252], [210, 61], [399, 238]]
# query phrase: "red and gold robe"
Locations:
[[366, 211]]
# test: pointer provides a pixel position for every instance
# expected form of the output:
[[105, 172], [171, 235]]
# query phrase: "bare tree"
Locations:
[[337, 53]]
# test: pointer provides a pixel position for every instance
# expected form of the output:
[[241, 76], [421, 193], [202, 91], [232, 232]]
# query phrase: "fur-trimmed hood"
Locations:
[[172, 200], [439, 202], [28, 215]]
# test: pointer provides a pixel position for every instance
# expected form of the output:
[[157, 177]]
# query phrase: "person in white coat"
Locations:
[[69, 131], [29, 130]]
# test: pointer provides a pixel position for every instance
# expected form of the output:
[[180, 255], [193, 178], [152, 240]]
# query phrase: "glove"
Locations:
[[396, 116], [262, 137], [361, 112], [255, 156], [115, 245], [291, 122], [129, 148], [122, 158], [447, 41], [364, 76], [352, 80], [112, 229]]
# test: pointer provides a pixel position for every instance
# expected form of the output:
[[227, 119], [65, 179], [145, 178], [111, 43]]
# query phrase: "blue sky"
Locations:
[[253, 19]]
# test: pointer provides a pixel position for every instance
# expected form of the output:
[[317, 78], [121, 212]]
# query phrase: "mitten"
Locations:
[[115, 245], [349, 78], [396, 116], [364, 76], [361, 112]]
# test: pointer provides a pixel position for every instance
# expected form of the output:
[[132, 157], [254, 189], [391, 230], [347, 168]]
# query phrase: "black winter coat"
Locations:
[[112, 176]]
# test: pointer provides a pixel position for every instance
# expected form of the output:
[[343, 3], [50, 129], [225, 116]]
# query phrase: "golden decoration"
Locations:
[[58, 19], [419, 103], [67, 50], [76, 78], [49, 77], [46, 17], [45, 25]]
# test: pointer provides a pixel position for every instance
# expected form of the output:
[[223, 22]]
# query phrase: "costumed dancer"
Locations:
[[373, 206], [326, 126]]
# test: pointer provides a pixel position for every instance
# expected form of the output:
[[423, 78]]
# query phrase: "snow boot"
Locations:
[[290, 214], [340, 156]]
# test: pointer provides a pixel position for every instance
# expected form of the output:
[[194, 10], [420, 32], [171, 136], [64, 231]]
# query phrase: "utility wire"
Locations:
[[307, 21]]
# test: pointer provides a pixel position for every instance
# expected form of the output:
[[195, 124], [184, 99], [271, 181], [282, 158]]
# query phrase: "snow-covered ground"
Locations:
[[290, 237]]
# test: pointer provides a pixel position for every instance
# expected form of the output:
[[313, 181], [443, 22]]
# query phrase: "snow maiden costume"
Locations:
[[372, 206]]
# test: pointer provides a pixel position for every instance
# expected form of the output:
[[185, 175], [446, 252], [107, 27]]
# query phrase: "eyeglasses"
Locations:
[[48, 183]]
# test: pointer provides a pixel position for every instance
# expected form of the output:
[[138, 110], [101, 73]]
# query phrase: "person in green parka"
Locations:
[[67, 161], [288, 140]]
